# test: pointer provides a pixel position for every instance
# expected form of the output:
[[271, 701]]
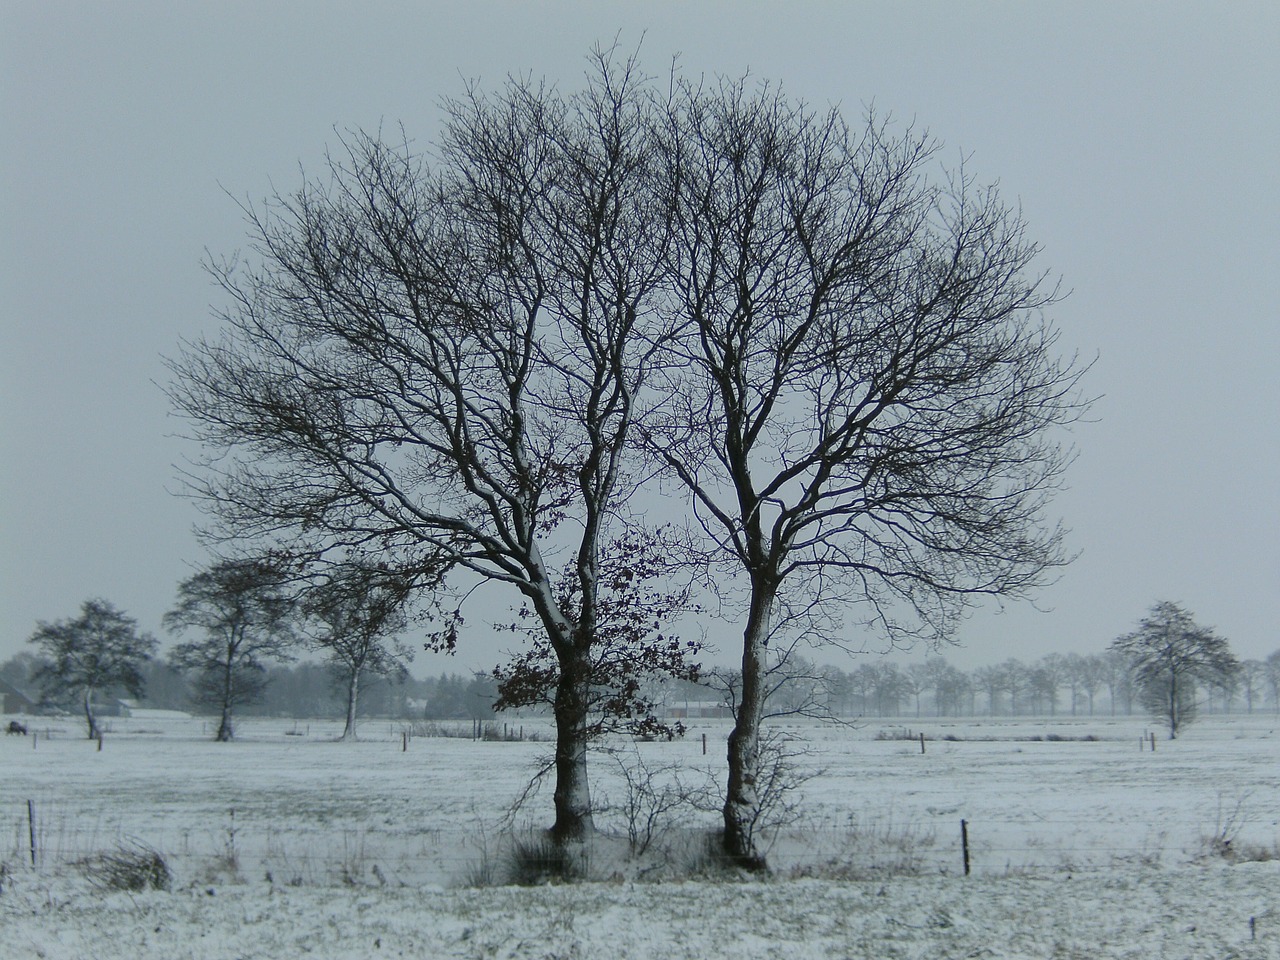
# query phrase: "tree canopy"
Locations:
[[98, 650], [244, 617], [475, 359], [1170, 654]]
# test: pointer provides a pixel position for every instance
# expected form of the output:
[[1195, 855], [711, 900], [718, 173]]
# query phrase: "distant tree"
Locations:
[[1089, 674], [353, 612], [166, 685], [951, 686], [1015, 678], [990, 680], [1252, 678], [797, 686], [1170, 653], [890, 688], [1051, 672], [98, 650], [916, 680], [20, 670], [1273, 679], [244, 614], [1118, 673]]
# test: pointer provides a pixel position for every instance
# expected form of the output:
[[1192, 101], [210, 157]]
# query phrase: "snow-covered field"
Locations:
[[286, 844]]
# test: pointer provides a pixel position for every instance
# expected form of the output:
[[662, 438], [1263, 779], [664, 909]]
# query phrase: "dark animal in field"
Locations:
[[16, 727]]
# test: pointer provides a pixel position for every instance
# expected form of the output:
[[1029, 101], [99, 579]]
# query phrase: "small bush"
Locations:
[[541, 860], [1225, 842], [708, 858], [133, 867]]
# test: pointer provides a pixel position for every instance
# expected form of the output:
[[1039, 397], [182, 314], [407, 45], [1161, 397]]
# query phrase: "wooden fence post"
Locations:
[[964, 844], [31, 828], [922, 742]]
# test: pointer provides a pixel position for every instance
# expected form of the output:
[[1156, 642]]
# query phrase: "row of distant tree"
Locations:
[[1170, 667]]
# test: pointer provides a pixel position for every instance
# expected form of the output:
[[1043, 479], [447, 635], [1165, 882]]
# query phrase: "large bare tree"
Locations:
[[862, 406], [438, 360]]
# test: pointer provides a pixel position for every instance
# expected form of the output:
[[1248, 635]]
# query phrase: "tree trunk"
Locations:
[[353, 692], [88, 713], [225, 731], [572, 792], [742, 798]]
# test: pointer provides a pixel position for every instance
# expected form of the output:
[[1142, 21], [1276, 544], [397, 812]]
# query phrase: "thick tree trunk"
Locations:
[[742, 798], [88, 713], [225, 731], [572, 791], [353, 692]]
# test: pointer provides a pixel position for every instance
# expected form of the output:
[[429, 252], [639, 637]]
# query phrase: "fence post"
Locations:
[[922, 742], [31, 828], [405, 741], [1153, 741], [964, 844], [704, 744]]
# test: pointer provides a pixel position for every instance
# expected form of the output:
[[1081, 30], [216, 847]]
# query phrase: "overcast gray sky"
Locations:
[[1141, 139]]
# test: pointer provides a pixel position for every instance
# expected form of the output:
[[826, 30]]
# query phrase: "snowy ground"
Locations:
[[286, 844]]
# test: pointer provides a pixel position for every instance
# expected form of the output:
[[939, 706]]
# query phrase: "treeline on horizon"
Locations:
[[1055, 685]]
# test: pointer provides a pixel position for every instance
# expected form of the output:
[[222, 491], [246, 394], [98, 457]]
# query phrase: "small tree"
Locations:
[[243, 612], [1170, 653], [99, 649], [354, 612]]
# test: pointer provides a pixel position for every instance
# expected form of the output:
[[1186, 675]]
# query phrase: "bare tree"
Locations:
[[1253, 675], [1273, 679], [918, 678], [1119, 680], [950, 686], [353, 612], [1015, 680], [990, 680], [863, 403], [1051, 673], [442, 362], [1170, 653], [1089, 675], [246, 617], [99, 649]]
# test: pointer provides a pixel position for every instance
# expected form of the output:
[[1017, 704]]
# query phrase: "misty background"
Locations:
[[1139, 138]]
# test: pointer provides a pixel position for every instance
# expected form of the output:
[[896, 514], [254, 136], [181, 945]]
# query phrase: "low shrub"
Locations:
[[133, 867]]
